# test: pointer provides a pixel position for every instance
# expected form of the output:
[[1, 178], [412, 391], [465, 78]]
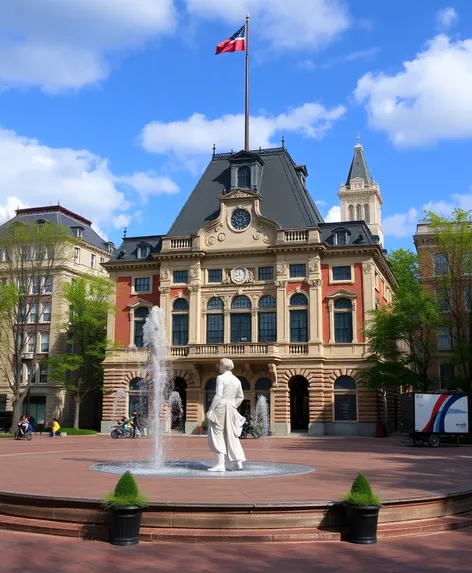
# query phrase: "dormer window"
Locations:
[[244, 177], [79, 232], [143, 251], [340, 237]]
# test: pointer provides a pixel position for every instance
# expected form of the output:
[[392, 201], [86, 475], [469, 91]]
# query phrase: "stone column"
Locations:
[[280, 398], [195, 314], [227, 327], [254, 326], [331, 321], [316, 311], [282, 312]]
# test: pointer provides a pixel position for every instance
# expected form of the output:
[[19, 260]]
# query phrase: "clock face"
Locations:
[[240, 219], [239, 275]]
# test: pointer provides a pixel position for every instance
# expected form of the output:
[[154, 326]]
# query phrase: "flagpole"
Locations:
[[246, 106]]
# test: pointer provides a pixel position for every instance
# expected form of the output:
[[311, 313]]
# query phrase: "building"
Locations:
[[44, 400], [249, 270]]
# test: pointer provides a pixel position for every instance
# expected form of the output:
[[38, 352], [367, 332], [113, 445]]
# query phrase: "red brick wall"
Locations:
[[123, 299]]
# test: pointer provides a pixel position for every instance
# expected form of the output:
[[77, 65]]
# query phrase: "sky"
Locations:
[[111, 107]]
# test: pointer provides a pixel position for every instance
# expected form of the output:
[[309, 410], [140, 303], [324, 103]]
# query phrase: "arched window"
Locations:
[[215, 321], [351, 212], [241, 319], [210, 391], [342, 320], [345, 399], [359, 212], [180, 322], [244, 177], [298, 318], [140, 315], [267, 319], [366, 213], [138, 398]]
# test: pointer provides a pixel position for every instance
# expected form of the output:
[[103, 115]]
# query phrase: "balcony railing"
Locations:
[[180, 243], [298, 349], [203, 350], [296, 236]]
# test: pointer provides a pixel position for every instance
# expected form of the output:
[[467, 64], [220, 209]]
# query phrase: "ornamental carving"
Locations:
[[281, 284], [221, 237], [164, 274], [313, 266], [281, 268], [195, 271], [194, 288], [164, 290], [227, 278], [211, 240], [368, 268], [314, 282], [250, 277], [239, 195]]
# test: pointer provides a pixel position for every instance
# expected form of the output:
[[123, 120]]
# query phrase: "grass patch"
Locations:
[[6, 435], [73, 432]]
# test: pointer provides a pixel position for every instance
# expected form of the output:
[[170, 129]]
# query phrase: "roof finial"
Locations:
[[358, 144], [125, 230], [214, 150], [283, 142]]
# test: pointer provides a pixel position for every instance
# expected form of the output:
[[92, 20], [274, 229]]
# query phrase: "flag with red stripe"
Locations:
[[237, 43]]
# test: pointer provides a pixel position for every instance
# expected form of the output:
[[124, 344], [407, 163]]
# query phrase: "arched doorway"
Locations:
[[138, 399], [180, 386], [246, 403], [299, 405]]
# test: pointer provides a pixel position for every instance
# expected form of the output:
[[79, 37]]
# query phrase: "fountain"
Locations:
[[174, 410], [158, 375], [118, 403], [262, 415]]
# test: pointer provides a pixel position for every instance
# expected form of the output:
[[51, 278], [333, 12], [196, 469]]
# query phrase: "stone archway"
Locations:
[[299, 403], [180, 386]]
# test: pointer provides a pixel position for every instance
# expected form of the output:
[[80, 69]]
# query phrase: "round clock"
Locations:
[[240, 219], [239, 275]]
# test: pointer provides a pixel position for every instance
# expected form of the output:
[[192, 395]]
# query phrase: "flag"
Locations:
[[237, 42]]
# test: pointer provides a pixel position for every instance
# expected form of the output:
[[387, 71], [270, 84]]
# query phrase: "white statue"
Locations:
[[225, 423]]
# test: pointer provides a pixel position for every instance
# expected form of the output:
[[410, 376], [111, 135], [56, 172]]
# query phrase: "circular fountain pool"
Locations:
[[197, 469]]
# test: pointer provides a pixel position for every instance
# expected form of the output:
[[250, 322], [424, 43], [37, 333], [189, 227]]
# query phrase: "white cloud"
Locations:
[[428, 101], [367, 54], [285, 25], [57, 44], [196, 135], [333, 215], [121, 221], [401, 224], [32, 174], [457, 200], [446, 18]]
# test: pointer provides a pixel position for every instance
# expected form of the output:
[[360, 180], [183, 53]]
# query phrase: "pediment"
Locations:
[[342, 292], [139, 302], [240, 194], [245, 156]]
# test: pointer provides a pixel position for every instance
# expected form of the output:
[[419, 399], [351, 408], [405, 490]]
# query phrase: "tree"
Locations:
[[79, 370], [402, 335], [31, 256], [450, 274]]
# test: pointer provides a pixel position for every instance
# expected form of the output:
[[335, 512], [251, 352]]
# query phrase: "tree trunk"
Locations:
[[385, 405], [17, 404], [76, 412]]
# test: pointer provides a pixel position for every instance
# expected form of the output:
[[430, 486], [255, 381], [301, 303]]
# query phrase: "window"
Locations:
[[30, 373], [215, 321], [44, 342], [49, 253], [43, 373], [31, 343], [297, 271], [446, 372], [441, 264], [48, 285], [46, 312], [142, 284], [143, 251], [239, 302], [33, 313], [93, 261], [215, 328], [340, 238], [22, 312], [79, 232], [298, 318], [140, 315], [443, 298], [267, 302], [345, 399], [342, 273], [342, 320], [466, 264], [444, 338], [265, 273], [77, 256], [180, 322], [102, 260], [468, 298], [22, 286], [215, 275], [3, 402], [180, 277], [25, 254], [244, 177], [35, 285], [267, 326], [241, 322]]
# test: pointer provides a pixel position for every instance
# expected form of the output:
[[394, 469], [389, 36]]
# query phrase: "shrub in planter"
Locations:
[[362, 510], [125, 505], [204, 425]]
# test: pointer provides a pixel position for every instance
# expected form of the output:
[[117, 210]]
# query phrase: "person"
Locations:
[[54, 428], [23, 425], [135, 427], [225, 423]]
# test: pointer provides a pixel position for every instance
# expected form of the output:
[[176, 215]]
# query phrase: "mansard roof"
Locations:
[[359, 167], [284, 198]]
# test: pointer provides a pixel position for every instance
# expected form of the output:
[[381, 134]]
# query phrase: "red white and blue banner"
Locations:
[[237, 43], [441, 413]]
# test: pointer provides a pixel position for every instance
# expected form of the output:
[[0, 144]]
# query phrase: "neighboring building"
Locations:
[[249, 270], [44, 400]]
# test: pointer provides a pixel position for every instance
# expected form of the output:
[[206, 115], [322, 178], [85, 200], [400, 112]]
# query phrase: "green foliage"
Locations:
[[85, 326], [126, 493], [403, 335], [205, 424], [361, 493], [75, 432]]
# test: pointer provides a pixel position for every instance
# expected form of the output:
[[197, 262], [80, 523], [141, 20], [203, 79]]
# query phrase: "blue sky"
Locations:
[[112, 107]]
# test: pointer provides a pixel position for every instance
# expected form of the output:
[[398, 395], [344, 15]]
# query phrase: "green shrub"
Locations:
[[205, 424], [126, 493], [361, 493]]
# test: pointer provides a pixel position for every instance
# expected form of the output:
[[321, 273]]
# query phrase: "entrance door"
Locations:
[[35, 406], [299, 406], [178, 421]]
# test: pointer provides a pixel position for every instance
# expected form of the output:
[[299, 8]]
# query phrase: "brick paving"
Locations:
[[439, 553], [60, 467]]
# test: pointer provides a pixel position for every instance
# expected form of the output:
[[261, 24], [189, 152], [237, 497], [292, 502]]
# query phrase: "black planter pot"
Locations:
[[124, 525], [362, 523]]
